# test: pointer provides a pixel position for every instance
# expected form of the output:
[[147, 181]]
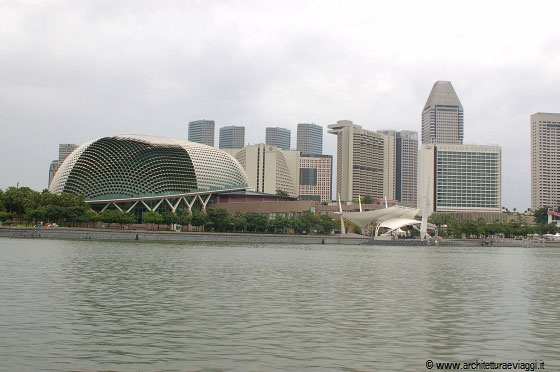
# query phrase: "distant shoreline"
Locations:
[[172, 236]]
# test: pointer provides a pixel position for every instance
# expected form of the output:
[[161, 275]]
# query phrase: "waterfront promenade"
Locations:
[[212, 237]]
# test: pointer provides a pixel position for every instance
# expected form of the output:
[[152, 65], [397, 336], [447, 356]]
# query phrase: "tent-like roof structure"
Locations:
[[363, 219], [397, 223]]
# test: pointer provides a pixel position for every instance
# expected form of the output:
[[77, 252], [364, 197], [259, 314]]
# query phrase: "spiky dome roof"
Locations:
[[126, 166]]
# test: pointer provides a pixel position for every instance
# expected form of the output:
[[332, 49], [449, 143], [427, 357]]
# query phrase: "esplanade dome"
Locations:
[[128, 166]]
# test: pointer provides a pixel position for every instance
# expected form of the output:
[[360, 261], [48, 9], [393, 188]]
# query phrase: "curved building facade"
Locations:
[[129, 166]]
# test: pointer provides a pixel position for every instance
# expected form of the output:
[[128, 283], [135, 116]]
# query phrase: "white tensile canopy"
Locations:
[[397, 223], [396, 212]]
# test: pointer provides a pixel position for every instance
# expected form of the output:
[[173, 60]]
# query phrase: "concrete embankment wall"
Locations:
[[170, 236], [94, 234], [468, 243]]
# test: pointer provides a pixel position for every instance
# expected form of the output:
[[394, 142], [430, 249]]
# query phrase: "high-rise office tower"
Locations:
[[64, 149], [279, 137], [365, 162], [545, 163], [310, 139], [406, 165], [460, 178], [232, 137], [442, 117], [202, 131]]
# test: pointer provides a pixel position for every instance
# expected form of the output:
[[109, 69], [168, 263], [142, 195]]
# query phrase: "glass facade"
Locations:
[[308, 176], [467, 179]]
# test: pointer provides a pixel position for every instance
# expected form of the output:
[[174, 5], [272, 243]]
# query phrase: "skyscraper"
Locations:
[[64, 149], [279, 137], [202, 131], [310, 139], [232, 137], [545, 164], [442, 116], [406, 165], [365, 162]]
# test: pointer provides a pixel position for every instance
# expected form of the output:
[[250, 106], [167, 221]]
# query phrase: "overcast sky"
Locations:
[[71, 71]]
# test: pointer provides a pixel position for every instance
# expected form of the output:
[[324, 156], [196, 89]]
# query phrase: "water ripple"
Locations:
[[70, 305]]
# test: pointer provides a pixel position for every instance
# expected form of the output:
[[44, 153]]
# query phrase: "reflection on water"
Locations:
[[72, 305]]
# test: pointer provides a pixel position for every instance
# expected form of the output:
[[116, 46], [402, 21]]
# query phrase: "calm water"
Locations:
[[73, 305]]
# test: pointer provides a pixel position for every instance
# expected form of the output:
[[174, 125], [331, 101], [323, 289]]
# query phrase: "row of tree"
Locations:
[[221, 220], [452, 227], [25, 204]]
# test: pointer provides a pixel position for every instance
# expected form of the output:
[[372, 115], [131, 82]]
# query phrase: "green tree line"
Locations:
[[449, 226], [23, 204]]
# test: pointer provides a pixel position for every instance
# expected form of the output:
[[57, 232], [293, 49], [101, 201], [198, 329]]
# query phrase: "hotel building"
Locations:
[[545, 163], [365, 162], [458, 178]]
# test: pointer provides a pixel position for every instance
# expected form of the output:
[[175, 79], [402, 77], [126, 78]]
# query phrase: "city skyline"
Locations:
[[87, 73]]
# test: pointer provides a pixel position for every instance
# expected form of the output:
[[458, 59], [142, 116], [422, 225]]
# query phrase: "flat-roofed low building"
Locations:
[[460, 178]]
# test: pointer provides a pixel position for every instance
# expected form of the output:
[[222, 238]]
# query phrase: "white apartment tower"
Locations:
[[365, 163], [545, 162], [442, 116]]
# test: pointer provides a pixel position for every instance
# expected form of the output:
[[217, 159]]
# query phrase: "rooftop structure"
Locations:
[[442, 116]]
